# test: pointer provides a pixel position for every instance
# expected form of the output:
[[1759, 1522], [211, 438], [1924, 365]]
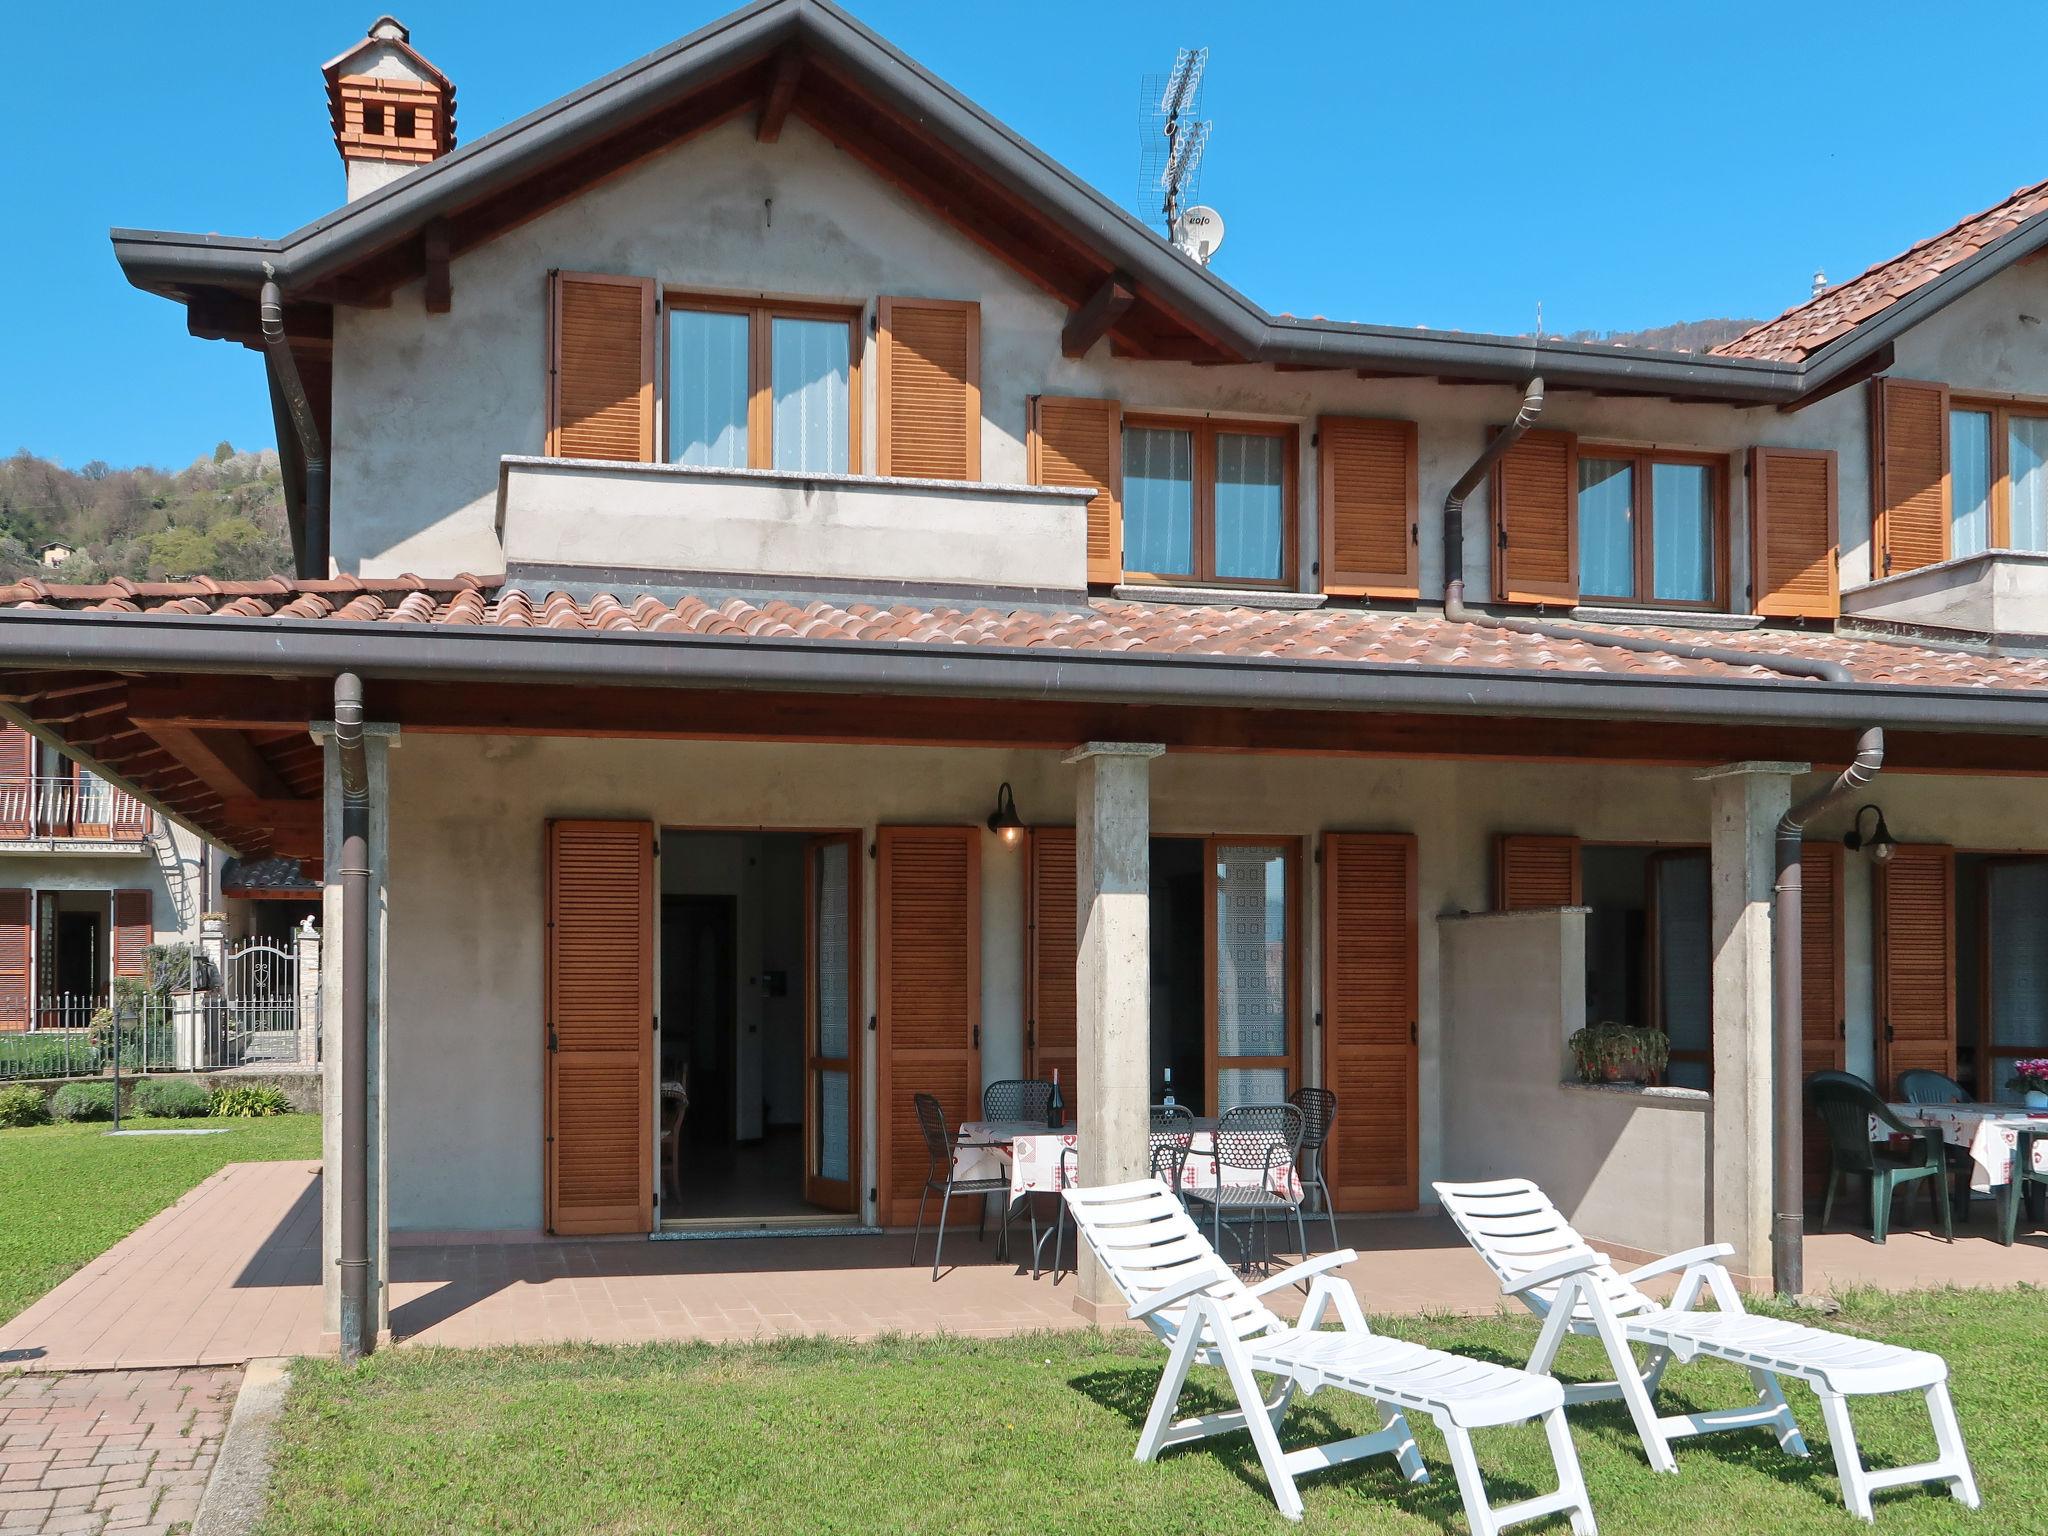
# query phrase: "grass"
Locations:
[[1035, 1434], [70, 1192]]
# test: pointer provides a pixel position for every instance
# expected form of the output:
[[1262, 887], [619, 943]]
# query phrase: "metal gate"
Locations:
[[259, 1016]]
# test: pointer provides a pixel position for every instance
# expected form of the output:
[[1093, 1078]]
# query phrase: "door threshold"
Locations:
[[821, 1224]]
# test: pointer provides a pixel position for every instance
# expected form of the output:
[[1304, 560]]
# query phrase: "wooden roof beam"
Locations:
[[789, 70], [224, 761], [1092, 321]]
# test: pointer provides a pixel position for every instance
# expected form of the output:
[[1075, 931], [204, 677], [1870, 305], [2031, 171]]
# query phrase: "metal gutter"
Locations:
[[270, 646], [288, 390]]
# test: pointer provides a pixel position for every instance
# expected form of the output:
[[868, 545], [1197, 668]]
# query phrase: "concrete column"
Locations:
[[1113, 978], [379, 740], [307, 940], [1748, 800]]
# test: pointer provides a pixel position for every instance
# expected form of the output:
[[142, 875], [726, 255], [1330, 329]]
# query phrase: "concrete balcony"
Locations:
[[78, 816], [644, 521], [1996, 592]]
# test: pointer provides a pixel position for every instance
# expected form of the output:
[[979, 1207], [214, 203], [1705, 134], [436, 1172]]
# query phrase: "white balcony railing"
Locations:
[[83, 809]]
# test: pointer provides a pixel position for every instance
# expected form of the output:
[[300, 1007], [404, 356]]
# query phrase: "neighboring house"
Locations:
[[730, 479], [50, 556], [89, 876]]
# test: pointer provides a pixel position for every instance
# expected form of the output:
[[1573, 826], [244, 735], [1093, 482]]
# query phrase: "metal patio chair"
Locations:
[[1017, 1098], [940, 1143], [1172, 1132], [1846, 1106], [1318, 1108], [1256, 1139]]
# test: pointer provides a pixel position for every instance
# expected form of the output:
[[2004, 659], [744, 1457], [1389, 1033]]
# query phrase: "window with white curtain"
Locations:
[[1649, 528], [1207, 501], [771, 386], [1998, 475], [2015, 963]]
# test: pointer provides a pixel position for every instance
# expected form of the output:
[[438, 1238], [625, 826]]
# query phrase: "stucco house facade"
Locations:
[[725, 483]]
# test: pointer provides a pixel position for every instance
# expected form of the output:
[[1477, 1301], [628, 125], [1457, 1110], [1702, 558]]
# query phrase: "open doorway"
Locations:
[[756, 1115]]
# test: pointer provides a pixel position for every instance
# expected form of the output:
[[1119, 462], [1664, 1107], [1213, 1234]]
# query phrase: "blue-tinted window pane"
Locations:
[[1682, 500], [1249, 519], [1159, 501], [2027, 462], [810, 366], [1969, 469], [1607, 527], [707, 389]]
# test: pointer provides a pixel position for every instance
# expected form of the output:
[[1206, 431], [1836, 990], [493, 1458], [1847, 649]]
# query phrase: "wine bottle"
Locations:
[[1056, 1114], [1168, 1100]]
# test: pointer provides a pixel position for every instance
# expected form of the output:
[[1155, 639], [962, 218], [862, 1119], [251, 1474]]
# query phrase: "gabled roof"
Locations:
[[938, 147], [1933, 273]]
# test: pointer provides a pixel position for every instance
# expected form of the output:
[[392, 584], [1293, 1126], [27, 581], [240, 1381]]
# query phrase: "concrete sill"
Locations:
[[1666, 618], [1220, 597], [1676, 1098]]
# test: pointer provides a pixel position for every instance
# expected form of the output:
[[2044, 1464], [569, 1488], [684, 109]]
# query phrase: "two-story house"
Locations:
[[843, 610]]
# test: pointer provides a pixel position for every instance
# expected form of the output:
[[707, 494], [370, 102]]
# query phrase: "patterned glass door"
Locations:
[[1251, 984], [832, 1048]]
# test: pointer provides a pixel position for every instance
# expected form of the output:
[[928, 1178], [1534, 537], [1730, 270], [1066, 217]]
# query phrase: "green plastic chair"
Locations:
[[1920, 1085], [1846, 1105], [2024, 1179]]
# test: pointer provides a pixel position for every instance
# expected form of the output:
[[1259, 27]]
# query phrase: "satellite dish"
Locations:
[[1199, 233]]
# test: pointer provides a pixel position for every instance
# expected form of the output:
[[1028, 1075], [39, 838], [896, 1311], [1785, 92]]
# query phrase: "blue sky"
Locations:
[[1625, 163]]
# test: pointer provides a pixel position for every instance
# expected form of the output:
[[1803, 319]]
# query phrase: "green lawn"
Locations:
[[1034, 1435], [70, 1192]]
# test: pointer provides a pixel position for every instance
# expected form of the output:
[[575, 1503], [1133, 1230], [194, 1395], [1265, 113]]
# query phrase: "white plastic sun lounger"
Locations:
[[1541, 1259], [1174, 1281]]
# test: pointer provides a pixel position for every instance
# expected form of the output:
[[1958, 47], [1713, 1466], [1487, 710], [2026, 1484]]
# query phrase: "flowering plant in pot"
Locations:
[[1620, 1053], [2031, 1079]]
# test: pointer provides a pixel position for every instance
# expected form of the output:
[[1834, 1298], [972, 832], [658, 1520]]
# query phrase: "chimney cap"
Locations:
[[389, 29]]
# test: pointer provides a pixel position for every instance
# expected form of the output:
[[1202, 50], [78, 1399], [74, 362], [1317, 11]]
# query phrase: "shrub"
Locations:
[[172, 1098], [23, 1105], [83, 1101], [248, 1100], [55, 1053]]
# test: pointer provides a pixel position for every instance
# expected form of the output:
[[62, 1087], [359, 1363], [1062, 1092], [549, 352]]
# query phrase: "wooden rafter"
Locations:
[[789, 70], [1094, 319]]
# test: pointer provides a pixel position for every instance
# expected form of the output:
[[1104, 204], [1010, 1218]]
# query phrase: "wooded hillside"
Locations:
[[220, 516]]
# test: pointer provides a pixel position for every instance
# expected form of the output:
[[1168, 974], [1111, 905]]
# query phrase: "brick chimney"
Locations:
[[392, 110]]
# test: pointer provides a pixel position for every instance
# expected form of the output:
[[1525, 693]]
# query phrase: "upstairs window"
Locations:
[[1998, 476], [1208, 502], [1650, 528], [771, 386]]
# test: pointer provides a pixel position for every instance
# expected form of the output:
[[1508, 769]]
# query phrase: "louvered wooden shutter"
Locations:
[[1533, 872], [1077, 441], [930, 387], [600, 1026], [601, 367], [1792, 533], [1052, 955], [1916, 972], [1822, 1007], [17, 789], [1367, 487], [134, 930], [1909, 476], [1370, 1007], [14, 959], [928, 908], [1536, 520]]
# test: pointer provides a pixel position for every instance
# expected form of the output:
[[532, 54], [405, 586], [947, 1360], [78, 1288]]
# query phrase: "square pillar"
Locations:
[[1748, 800], [1113, 979]]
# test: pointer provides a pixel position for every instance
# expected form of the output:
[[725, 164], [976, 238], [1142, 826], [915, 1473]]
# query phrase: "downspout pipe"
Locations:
[[284, 373], [1788, 1063], [358, 1325]]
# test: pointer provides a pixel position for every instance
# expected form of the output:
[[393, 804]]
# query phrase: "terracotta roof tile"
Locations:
[[1805, 329], [1336, 635]]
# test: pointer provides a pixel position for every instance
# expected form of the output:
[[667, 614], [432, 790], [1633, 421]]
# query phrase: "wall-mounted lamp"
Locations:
[[1004, 820], [1880, 844]]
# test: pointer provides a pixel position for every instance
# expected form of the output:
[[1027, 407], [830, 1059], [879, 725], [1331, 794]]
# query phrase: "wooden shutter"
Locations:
[[15, 949], [134, 930], [1532, 872], [1793, 542], [1822, 1007], [1367, 489], [1051, 954], [600, 366], [600, 1026], [930, 388], [1909, 473], [1536, 520], [1370, 1006], [1916, 972], [17, 786], [928, 910], [1077, 441]]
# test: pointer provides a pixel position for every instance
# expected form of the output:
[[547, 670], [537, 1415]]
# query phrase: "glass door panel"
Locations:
[[832, 1049], [2015, 968], [1251, 942]]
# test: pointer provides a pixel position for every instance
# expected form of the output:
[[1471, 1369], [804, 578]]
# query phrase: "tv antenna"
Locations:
[[1172, 134]]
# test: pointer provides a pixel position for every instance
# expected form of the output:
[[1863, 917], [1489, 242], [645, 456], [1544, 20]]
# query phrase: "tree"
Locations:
[[223, 451]]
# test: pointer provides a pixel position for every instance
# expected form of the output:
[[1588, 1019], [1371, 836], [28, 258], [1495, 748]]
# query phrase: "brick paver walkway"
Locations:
[[109, 1451]]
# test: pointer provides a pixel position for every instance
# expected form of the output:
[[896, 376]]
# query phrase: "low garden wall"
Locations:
[[302, 1088]]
